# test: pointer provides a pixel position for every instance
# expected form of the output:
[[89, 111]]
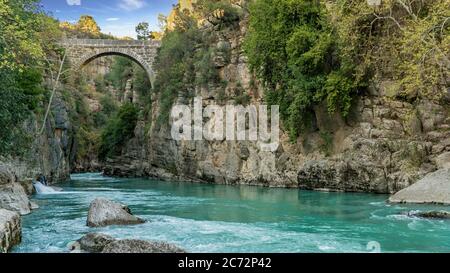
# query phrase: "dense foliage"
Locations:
[[174, 64], [295, 51], [185, 59], [26, 37], [309, 52], [405, 42], [118, 131]]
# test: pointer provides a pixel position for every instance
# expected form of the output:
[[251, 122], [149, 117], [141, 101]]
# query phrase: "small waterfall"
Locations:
[[42, 189]]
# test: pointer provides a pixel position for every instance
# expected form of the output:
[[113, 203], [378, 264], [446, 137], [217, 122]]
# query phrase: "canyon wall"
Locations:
[[49, 152], [383, 146]]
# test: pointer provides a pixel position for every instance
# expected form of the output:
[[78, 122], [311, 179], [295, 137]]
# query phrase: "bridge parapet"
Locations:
[[109, 43]]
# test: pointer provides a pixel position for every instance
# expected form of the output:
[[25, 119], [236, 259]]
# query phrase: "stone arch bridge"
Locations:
[[82, 51]]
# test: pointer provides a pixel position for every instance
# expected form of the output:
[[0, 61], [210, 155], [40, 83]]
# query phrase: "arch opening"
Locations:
[[85, 60]]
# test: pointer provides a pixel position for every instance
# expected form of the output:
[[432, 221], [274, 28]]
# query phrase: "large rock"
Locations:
[[434, 188], [12, 194], [10, 230], [92, 243], [104, 212], [431, 214], [101, 243], [13, 197], [139, 246]]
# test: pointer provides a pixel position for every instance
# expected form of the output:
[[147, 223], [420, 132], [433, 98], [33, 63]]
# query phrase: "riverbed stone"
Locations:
[[93, 242], [431, 214], [140, 246], [102, 243], [433, 188], [104, 212], [10, 230]]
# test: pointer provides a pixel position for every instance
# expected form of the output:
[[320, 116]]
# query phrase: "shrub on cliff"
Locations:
[[306, 52], [294, 50], [221, 10], [118, 131]]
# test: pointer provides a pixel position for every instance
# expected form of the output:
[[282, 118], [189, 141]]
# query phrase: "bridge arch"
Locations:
[[82, 51], [89, 57]]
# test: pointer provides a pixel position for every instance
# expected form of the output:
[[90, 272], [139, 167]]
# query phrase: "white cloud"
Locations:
[[131, 4], [112, 19], [73, 2]]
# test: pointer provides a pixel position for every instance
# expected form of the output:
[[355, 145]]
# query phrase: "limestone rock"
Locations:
[[102, 243], [103, 212], [94, 242], [10, 230], [139, 246], [27, 185], [12, 194], [443, 161], [434, 188]]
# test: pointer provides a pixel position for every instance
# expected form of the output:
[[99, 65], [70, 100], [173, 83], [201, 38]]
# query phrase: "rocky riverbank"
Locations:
[[432, 189], [14, 202], [10, 230]]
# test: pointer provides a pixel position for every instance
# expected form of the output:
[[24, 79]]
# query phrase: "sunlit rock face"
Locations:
[[103, 212], [13, 196], [432, 189]]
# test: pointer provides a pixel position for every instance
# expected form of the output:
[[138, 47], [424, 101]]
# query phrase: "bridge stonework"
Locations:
[[81, 51]]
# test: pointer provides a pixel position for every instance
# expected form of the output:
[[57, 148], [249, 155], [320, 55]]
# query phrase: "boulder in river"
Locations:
[[92, 243], [101, 243], [104, 212], [431, 214], [140, 246], [432, 189], [10, 230]]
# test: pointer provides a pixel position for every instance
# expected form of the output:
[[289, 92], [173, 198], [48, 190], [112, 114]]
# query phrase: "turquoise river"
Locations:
[[217, 218]]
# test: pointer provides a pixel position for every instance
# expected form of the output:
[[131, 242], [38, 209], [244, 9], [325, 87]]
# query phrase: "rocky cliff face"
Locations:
[[49, 153], [384, 146]]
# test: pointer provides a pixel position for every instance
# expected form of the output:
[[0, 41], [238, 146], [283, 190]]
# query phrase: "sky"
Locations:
[[116, 17]]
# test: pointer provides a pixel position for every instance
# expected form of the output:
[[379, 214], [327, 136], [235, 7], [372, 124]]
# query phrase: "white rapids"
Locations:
[[42, 189]]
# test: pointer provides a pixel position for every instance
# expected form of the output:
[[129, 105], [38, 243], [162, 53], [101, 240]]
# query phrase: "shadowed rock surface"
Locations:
[[434, 188], [101, 243], [431, 214], [10, 230], [139, 246], [104, 212], [94, 242]]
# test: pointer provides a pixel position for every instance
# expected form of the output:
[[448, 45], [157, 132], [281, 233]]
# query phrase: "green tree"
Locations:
[[143, 32]]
